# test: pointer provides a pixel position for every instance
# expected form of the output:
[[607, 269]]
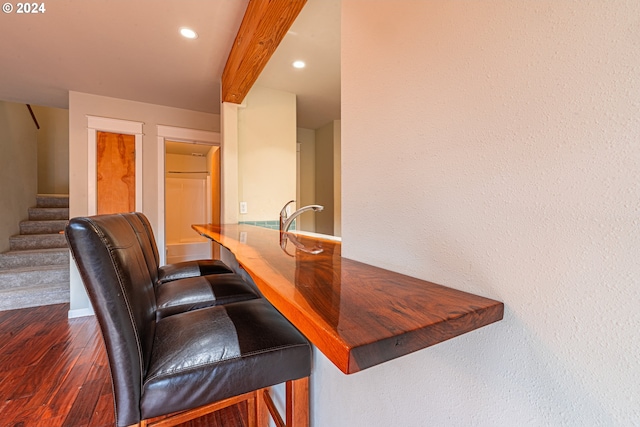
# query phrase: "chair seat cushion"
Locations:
[[182, 270], [192, 293], [218, 352]]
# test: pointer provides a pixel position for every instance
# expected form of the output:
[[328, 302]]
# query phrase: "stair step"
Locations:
[[35, 271], [37, 241], [52, 200], [43, 227], [34, 257], [32, 296], [33, 276], [45, 214]]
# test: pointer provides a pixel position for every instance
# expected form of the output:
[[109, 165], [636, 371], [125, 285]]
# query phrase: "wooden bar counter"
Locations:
[[357, 315]]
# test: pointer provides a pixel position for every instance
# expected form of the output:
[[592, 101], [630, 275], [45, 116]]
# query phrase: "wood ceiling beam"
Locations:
[[263, 27]]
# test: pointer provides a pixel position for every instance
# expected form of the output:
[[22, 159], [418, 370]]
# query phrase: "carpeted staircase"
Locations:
[[35, 270]]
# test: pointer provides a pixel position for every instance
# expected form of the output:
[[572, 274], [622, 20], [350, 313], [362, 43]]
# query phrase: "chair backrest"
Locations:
[[144, 232], [147, 226], [115, 274]]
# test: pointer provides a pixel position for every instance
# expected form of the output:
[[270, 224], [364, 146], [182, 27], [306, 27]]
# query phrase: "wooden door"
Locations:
[[116, 172]]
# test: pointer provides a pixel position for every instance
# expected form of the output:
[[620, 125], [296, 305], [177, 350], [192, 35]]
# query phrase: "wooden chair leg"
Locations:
[[262, 411], [297, 400], [297, 405], [251, 410]]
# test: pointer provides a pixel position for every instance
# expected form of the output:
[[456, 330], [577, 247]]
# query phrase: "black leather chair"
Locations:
[[190, 363], [169, 272], [192, 284]]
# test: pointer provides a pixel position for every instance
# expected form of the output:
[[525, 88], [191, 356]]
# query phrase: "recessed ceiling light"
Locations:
[[188, 33], [299, 64]]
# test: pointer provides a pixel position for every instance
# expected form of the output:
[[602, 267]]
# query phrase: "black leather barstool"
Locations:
[[188, 363], [169, 272], [187, 285]]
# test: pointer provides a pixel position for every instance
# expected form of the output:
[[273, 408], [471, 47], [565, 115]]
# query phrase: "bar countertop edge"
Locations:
[[332, 300]]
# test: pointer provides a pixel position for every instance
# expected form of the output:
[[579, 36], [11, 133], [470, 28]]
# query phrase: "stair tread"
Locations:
[[43, 220], [34, 251], [48, 256], [22, 276], [61, 285], [52, 200], [49, 207], [42, 226], [18, 258], [41, 213], [31, 296], [46, 267], [33, 236], [37, 241]]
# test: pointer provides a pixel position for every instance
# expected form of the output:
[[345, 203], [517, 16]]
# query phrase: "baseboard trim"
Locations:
[[80, 312]]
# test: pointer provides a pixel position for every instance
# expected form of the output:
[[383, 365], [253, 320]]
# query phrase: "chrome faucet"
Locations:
[[286, 220]]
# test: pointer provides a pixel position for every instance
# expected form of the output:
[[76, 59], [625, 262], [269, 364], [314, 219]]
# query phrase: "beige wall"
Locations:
[[337, 178], [81, 105], [229, 163], [306, 186], [324, 178], [53, 150], [18, 168], [266, 153], [327, 180], [507, 165]]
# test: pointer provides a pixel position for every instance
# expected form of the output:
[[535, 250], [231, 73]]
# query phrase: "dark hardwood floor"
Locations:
[[54, 372]]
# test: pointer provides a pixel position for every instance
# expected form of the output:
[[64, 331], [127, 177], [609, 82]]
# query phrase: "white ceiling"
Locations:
[[132, 50], [314, 38]]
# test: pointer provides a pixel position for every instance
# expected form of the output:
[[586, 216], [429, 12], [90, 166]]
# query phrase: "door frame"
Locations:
[[97, 124], [177, 134]]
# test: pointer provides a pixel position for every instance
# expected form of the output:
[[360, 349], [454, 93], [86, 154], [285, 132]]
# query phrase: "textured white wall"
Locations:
[[508, 165]]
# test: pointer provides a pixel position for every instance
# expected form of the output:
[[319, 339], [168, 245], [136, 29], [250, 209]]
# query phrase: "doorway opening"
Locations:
[[191, 197], [187, 140]]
